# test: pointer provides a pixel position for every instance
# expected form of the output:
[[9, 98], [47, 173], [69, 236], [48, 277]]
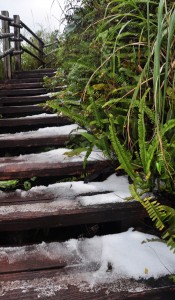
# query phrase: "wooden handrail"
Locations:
[[51, 44], [5, 17], [32, 54], [29, 42], [6, 53], [5, 35], [32, 33], [16, 37]]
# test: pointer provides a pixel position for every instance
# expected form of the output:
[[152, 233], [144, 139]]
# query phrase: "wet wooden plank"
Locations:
[[32, 75], [11, 168], [56, 284], [25, 99], [27, 109], [49, 217], [31, 121], [32, 141], [8, 85], [26, 91], [20, 92], [21, 80], [36, 71], [34, 257]]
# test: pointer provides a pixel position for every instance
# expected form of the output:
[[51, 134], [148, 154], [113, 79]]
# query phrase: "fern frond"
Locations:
[[120, 151], [142, 132], [163, 216], [154, 209], [167, 126], [88, 152], [95, 112], [156, 212]]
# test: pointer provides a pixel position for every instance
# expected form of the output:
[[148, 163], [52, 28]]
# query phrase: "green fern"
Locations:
[[142, 132], [163, 216], [96, 113], [120, 151], [88, 152]]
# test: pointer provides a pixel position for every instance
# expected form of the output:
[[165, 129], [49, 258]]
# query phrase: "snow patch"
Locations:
[[108, 262], [47, 131], [68, 195], [52, 156], [43, 115]]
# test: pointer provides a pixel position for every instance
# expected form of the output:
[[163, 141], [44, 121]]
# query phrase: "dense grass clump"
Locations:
[[118, 60]]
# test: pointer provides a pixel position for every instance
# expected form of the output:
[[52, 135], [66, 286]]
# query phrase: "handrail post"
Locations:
[[6, 46], [41, 53], [17, 43]]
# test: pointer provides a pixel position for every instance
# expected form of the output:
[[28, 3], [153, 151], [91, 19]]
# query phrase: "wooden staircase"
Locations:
[[33, 222]]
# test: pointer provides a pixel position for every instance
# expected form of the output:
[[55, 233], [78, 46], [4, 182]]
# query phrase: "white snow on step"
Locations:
[[50, 94], [43, 132], [43, 115], [114, 197], [52, 156], [125, 253], [70, 195]]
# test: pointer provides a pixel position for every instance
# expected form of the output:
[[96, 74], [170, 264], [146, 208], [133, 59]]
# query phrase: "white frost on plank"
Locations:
[[52, 157], [114, 197], [67, 195], [48, 208], [126, 254], [44, 132], [50, 94], [43, 115]]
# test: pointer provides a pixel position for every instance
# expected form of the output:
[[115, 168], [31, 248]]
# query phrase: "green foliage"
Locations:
[[118, 61], [163, 216], [8, 184], [50, 52], [28, 183]]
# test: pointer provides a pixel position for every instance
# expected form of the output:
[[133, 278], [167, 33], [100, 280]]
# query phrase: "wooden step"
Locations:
[[34, 120], [30, 141], [42, 137], [23, 92], [50, 214], [52, 271], [70, 203], [51, 163], [32, 75], [8, 86], [17, 110], [57, 284], [16, 100], [21, 80], [38, 71], [33, 258]]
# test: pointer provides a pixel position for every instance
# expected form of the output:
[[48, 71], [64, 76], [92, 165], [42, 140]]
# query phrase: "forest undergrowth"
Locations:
[[117, 59]]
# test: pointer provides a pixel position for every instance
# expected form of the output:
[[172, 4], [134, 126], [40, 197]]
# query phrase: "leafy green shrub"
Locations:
[[123, 92]]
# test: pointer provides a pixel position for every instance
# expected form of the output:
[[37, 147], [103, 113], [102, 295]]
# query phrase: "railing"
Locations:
[[12, 44]]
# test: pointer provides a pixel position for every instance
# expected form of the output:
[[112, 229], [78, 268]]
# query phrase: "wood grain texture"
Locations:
[[45, 120], [23, 100], [27, 109], [20, 92], [55, 284], [8, 86], [61, 217], [30, 141]]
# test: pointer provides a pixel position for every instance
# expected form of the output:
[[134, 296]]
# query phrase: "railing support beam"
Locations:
[[6, 46], [41, 52], [17, 43]]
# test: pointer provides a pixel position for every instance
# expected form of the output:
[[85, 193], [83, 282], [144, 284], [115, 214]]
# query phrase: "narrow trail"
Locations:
[[35, 261]]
